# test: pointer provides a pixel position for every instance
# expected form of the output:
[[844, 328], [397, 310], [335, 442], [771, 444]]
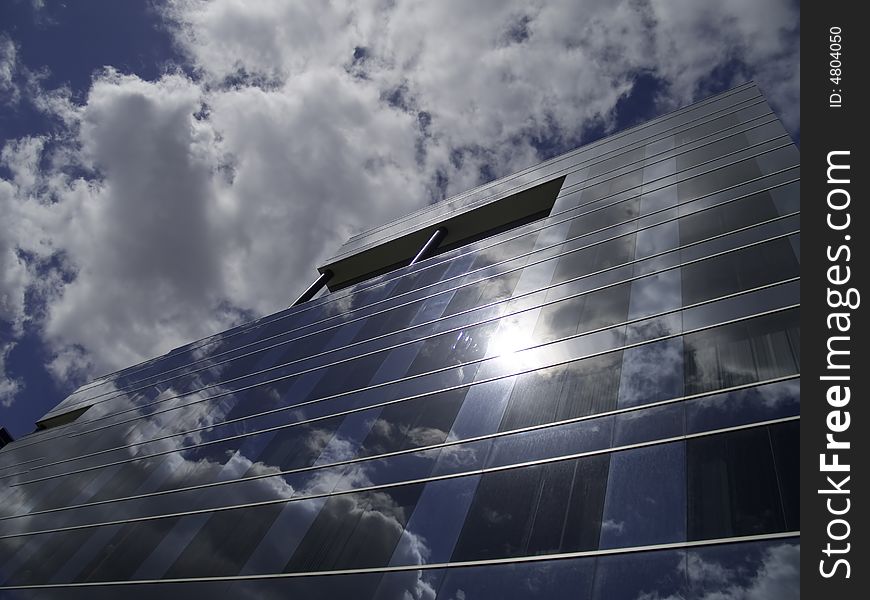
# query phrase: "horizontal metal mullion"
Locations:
[[444, 318], [374, 457], [449, 330], [687, 545], [372, 488], [385, 384]]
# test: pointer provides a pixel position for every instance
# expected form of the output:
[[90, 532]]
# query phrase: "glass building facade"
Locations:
[[600, 400]]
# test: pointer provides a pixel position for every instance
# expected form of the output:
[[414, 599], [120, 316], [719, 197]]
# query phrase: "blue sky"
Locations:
[[169, 169]]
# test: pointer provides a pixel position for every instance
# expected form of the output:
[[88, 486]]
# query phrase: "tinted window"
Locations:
[[726, 217], [595, 258], [356, 530], [733, 486], [646, 497], [641, 575], [740, 270], [554, 507], [414, 423], [555, 580], [583, 313], [577, 389], [744, 352]]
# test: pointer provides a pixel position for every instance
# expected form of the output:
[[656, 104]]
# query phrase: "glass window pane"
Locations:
[[732, 485], [641, 575], [431, 534], [652, 372], [646, 497], [761, 403], [577, 389], [744, 352], [649, 424], [785, 438], [356, 530], [766, 569], [554, 580]]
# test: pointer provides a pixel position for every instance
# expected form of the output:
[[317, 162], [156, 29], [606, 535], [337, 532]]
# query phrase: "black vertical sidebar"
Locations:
[[835, 432]]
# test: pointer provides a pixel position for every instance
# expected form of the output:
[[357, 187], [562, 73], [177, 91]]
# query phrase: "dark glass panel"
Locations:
[[551, 442], [483, 292], [421, 277], [765, 569], [655, 294], [594, 258], [414, 423], [498, 522], [37, 560], [652, 372], [359, 586], [555, 507], [296, 447], [512, 248], [740, 270], [387, 321], [225, 542], [554, 580], [726, 217], [577, 389], [654, 423], [627, 181], [406, 585], [657, 239], [619, 212], [595, 310], [708, 151], [714, 179], [585, 507], [740, 407], [785, 438], [144, 591], [744, 352], [744, 305], [128, 548], [641, 575], [732, 485], [646, 497], [431, 534], [350, 375], [356, 530], [622, 159]]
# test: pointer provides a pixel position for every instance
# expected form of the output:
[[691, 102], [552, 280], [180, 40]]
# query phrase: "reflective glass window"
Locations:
[[768, 569], [639, 575], [356, 530], [646, 497], [555, 507], [739, 270], [744, 352], [595, 258], [414, 423], [732, 485], [554, 580], [719, 219], [576, 389]]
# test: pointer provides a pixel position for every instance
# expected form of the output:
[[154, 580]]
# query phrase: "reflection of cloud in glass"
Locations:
[[747, 572], [651, 372]]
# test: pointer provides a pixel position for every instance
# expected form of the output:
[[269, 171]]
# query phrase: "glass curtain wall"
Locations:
[[603, 403]]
